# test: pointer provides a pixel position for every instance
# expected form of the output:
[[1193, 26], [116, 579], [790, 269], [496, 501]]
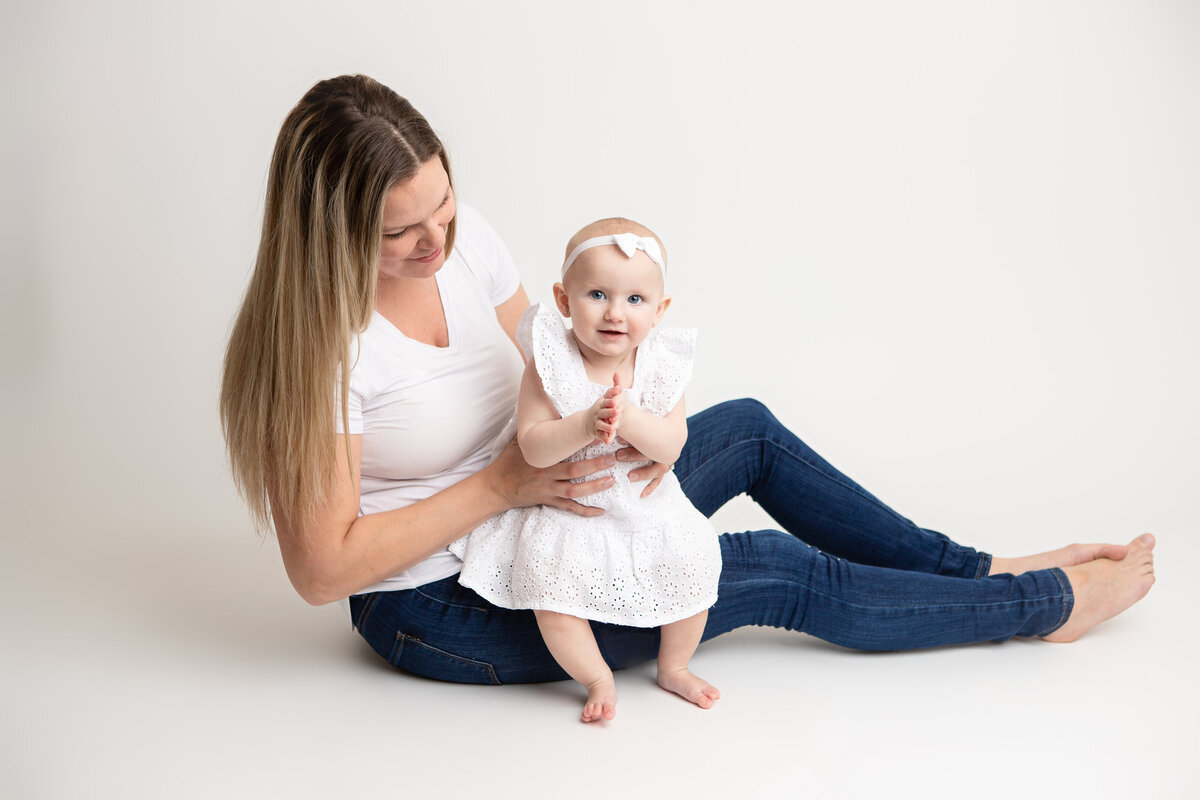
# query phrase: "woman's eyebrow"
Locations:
[[400, 227]]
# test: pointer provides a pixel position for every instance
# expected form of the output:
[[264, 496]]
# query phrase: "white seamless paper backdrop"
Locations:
[[951, 244]]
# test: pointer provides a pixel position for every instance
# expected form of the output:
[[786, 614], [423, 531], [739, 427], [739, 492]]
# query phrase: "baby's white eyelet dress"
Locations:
[[646, 561]]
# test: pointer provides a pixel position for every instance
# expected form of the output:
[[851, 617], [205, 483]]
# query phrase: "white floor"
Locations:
[[226, 685]]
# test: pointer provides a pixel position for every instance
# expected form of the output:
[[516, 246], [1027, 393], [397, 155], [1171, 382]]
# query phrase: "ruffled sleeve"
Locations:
[[525, 330], [669, 368], [544, 338]]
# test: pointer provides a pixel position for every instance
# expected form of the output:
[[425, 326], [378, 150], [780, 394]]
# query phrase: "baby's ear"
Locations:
[[560, 300], [662, 308]]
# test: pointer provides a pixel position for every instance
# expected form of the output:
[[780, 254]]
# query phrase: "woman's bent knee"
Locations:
[[746, 414]]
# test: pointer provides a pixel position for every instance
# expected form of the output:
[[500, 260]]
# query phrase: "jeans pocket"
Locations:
[[361, 606], [412, 655]]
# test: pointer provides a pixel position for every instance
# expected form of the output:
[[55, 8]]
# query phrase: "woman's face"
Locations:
[[415, 216]]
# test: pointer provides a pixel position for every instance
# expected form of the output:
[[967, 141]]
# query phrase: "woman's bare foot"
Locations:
[[691, 688], [1104, 588], [1070, 556], [602, 700]]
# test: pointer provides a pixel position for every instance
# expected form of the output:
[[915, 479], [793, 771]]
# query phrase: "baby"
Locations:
[[604, 384]]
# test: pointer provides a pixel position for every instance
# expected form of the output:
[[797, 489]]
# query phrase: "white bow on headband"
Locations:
[[629, 243]]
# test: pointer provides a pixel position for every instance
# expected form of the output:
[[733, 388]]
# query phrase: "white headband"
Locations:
[[629, 243]]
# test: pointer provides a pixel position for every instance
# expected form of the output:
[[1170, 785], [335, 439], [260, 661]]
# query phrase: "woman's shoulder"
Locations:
[[483, 253], [469, 218], [472, 230]]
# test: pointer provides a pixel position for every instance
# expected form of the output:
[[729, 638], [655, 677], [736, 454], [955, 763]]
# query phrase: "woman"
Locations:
[[373, 362]]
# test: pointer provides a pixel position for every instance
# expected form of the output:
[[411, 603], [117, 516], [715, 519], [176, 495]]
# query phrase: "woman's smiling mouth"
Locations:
[[429, 257]]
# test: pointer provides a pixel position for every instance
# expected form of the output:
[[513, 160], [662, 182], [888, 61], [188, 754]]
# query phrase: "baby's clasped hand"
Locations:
[[609, 412]]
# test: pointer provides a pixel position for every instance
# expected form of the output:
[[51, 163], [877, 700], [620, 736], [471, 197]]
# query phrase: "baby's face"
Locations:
[[613, 301]]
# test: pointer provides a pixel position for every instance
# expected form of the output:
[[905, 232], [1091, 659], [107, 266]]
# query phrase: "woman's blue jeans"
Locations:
[[848, 570]]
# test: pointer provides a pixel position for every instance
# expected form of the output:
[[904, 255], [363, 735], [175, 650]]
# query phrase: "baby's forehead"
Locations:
[[607, 261]]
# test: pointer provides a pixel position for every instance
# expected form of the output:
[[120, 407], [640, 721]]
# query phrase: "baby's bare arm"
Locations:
[[657, 438], [545, 437]]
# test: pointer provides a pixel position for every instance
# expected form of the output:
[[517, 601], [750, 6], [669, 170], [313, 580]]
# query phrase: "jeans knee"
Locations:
[[749, 414]]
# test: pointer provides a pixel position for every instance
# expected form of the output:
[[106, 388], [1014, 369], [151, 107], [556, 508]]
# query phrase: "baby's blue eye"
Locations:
[[635, 299], [596, 294]]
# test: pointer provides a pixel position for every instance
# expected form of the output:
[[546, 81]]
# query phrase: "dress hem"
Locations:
[[589, 614]]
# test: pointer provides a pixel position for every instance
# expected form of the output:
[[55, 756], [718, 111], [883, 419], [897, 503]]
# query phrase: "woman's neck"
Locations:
[[414, 307]]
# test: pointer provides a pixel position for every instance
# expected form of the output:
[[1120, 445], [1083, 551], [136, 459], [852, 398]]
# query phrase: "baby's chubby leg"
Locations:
[[678, 643], [574, 647]]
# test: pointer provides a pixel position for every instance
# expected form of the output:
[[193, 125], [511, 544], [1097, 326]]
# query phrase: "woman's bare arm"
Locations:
[[509, 313], [341, 553]]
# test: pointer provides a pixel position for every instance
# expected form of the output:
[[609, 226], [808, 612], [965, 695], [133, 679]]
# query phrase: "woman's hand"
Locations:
[[652, 472], [522, 485]]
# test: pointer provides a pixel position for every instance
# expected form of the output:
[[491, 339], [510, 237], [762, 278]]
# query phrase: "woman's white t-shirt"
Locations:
[[428, 415]]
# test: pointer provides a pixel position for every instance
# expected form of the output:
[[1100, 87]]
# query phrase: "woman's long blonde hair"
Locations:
[[341, 149]]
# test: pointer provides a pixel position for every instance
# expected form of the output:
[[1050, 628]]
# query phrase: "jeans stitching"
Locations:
[[397, 649], [1068, 600], [917, 607], [491, 670], [894, 607], [365, 612], [440, 601]]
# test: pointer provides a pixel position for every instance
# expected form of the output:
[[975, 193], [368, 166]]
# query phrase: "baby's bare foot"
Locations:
[[1104, 588], [691, 688], [601, 701], [1070, 556]]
